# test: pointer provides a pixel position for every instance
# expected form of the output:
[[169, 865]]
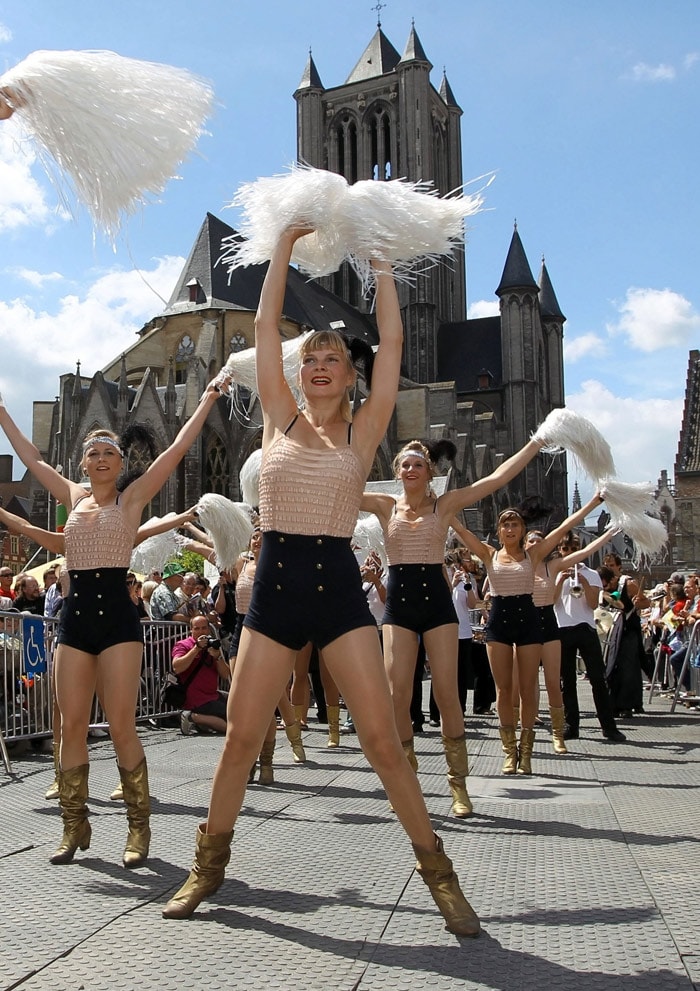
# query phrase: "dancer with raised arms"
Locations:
[[308, 586], [100, 639]]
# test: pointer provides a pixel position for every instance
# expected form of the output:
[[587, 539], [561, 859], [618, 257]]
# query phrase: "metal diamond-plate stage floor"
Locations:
[[584, 875]]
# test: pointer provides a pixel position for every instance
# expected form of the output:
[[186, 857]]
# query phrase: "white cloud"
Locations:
[[5, 33], [643, 433], [584, 346], [22, 199], [653, 319], [644, 73], [690, 59], [92, 328], [483, 308], [35, 279]]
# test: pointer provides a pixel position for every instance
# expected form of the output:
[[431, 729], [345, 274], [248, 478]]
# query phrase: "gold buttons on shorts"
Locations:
[[279, 564], [319, 566], [319, 588]]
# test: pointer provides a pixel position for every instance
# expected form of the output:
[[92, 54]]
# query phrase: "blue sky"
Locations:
[[587, 114]]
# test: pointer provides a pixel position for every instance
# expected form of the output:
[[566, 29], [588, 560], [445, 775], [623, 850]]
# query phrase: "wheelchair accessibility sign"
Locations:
[[33, 643]]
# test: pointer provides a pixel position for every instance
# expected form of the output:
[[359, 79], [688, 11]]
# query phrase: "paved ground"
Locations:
[[585, 875]]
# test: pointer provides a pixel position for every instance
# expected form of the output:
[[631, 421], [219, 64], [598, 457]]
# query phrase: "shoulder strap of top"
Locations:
[[79, 500], [434, 506], [350, 432], [291, 424]]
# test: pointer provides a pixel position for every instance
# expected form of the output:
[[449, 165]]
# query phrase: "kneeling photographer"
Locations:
[[199, 663]]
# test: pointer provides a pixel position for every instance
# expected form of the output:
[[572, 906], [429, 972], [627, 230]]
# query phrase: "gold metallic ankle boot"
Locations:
[[557, 717], [300, 714], [435, 867], [266, 776], [138, 811], [294, 736], [408, 749], [527, 741], [212, 854], [333, 712], [510, 749], [457, 771], [73, 793]]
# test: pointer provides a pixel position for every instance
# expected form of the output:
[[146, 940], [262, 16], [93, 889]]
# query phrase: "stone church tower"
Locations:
[[387, 121]]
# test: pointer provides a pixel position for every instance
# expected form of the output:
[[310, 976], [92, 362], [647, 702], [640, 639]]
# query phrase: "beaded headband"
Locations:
[[102, 439], [412, 452]]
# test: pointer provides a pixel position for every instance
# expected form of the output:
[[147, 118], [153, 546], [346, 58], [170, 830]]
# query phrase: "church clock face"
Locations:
[[238, 342]]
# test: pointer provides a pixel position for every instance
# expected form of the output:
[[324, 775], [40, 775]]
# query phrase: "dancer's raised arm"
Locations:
[[372, 419], [142, 489], [278, 403], [451, 502], [30, 456]]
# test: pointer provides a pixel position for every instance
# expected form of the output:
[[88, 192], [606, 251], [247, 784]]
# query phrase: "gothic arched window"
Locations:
[[216, 467], [380, 142], [345, 132]]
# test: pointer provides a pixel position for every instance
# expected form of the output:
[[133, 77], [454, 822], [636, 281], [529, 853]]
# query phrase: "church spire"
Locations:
[[516, 273], [414, 51], [310, 78], [549, 304], [576, 504]]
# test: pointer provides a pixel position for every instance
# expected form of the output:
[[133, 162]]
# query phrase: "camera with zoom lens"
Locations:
[[213, 642]]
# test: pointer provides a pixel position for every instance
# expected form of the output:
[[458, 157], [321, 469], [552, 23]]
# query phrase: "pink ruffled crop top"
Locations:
[[420, 541], [308, 491], [510, 578], [244, 588], [98, 538]]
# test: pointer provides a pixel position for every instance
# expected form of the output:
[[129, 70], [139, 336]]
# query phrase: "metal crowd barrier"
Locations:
[[26, 665]]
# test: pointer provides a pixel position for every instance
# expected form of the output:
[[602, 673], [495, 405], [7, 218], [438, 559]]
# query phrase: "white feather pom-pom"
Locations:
[[241, 365], [562, 428], [113, 129], [648, 533], [405, 223], [249, 479], [154, 553], [229, 525], [368, 536], [303, 197], [627, 498]]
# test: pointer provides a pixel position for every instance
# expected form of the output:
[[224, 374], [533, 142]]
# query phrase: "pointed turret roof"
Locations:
[[446, 92], [549, 304], [414, 51], [516, 273], [378, 58], [310, 77]]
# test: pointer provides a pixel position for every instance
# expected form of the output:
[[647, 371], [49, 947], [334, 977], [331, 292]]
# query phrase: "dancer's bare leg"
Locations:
[[263, 668], [400, 652], [355, 662], [442, 647]]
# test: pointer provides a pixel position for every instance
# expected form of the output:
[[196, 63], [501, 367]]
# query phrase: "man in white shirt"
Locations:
[[576, 619]]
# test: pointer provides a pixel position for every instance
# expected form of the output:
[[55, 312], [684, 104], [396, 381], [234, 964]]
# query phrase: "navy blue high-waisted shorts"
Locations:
[[418, 598], [98, 612], [307, 590], [513, 619]]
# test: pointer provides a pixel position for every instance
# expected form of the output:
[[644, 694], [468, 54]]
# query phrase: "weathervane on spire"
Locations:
[[378, 7]]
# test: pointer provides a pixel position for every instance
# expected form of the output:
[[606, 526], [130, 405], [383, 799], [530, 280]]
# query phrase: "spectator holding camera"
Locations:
[[199, 663]]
